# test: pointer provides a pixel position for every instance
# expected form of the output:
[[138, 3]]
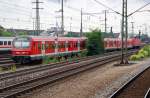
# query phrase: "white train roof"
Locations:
[[6, 38]]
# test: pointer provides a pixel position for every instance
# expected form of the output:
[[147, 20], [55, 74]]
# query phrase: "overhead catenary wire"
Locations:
[[17, 12], [139, 9], [26, 12], [107, 7], [15, 6]]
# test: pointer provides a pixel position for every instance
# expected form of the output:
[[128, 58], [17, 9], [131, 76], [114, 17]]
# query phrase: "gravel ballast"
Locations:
[[99, 82]]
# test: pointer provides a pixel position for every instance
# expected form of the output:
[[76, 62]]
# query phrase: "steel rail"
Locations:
[[147, 95], [118, 92]]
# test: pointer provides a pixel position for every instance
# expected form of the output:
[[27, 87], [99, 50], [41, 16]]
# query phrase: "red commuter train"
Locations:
[[35, 47]]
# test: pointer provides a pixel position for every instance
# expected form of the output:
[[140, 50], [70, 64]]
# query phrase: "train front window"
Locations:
[[21, 43], [25, 44]]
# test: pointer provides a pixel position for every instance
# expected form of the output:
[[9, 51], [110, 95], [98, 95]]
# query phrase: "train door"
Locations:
[[43, 48]]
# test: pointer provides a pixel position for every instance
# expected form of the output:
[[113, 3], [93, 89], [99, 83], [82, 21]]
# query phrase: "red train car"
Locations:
[[35, 47], [116, 44]]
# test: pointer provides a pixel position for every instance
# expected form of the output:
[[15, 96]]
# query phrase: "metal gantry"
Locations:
[[105, 21], [62, 17], [37, 22], [124, 32], [81, 24]]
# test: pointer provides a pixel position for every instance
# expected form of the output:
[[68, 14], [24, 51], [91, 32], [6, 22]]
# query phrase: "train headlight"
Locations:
[[17, 52]]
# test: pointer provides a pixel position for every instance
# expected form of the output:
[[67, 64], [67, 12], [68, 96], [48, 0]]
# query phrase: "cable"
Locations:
[[17, 12], [106, 6], [15, 9], [14, 19], [139, 9], [15, 5]]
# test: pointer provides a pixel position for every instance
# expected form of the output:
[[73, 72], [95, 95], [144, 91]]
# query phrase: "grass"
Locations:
[[48, 60]]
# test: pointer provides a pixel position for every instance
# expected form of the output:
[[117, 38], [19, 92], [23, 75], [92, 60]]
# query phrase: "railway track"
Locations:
[[51, 75], [136, 87], [5, 60], [40, 67]]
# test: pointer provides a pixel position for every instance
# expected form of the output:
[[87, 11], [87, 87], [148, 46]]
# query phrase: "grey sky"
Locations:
[[19, 14]]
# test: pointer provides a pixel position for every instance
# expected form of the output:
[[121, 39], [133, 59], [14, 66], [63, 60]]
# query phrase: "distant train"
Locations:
[[5, 44], [116, 44]]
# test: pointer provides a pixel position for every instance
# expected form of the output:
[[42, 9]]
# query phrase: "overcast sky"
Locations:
[[19, 14]]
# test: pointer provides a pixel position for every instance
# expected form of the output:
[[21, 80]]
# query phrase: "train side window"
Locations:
[[66, 45], [76, 44], [5, 42], [1, 42], [43, 46], [63, 45], [46, 46], [59, 45], [70, 45], [53, 46], [9, 42]]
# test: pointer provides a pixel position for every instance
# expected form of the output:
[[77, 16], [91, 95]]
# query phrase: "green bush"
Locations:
[[47, 60], [143, 53], [83, 53], [147, 48], [95, 43], [6, 34], [135, 57]]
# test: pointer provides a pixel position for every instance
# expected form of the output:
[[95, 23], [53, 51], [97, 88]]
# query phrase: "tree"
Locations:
[[95, 43], [72, 34], [5, 33], [22, 33]]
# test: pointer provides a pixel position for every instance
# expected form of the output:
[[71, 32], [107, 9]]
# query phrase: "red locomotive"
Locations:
[[35, 47]]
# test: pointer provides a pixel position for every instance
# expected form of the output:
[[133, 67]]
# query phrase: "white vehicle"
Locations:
[[6, 43]]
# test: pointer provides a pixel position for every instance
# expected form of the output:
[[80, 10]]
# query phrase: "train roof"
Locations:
[[117, 39], [6, 38], [48, 38]]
